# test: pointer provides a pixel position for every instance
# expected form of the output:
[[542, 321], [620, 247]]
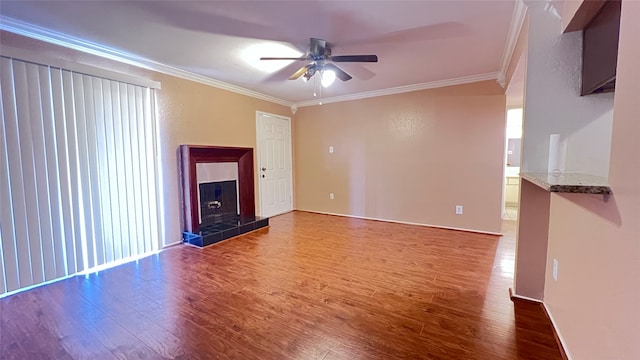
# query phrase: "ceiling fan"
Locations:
[[320, 60]]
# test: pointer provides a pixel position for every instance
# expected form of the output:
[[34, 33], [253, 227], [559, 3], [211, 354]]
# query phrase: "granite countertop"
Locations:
[[569, 182]]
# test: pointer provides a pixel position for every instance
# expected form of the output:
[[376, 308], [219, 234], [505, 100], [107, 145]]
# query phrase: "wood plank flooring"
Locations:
[[309, 287]]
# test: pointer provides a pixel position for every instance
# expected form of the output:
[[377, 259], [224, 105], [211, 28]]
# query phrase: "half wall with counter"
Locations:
[[533, 224]]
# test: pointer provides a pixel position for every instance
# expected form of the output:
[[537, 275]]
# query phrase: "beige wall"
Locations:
[[519, 51], [516, 69], [189, 113], [407, 157], [596, 300], [533, 237], [569, 9], [576, 14]]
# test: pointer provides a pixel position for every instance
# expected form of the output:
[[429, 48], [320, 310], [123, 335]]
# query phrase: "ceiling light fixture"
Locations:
[[309, 73], [328, 77]]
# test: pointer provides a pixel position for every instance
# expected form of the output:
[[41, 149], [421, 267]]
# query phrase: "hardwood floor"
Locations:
[[309, 287]]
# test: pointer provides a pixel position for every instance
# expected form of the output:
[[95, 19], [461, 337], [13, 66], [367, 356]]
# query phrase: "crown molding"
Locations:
[[517, 19], [401, 89], [52, 37], [34, 56], [56, 38]]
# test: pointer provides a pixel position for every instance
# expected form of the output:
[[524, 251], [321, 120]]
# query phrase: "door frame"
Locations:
[[290, 158]]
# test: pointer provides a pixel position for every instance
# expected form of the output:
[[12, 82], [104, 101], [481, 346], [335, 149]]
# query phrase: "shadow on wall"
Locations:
[[604, 206]]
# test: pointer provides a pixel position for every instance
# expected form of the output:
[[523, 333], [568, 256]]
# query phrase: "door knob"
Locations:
[[263, 169]]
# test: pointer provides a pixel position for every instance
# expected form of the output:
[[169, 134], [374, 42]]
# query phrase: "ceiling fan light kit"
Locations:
[[319, 59], [328, 77]]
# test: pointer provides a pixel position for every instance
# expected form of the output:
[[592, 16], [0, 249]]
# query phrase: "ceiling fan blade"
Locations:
[[300, 72], [317, 47], [284, 58], [357, 70], [340, 74], [355, 58]]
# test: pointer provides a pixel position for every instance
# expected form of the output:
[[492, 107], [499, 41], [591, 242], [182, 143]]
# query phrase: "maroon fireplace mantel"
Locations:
[[190, 155]]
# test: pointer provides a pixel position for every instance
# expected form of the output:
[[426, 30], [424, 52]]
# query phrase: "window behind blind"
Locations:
[[79, 175]]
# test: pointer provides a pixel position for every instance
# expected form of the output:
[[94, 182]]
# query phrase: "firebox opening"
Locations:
[[218, 201]]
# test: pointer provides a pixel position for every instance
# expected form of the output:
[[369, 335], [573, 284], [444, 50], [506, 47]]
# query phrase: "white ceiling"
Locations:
[[416, 41]]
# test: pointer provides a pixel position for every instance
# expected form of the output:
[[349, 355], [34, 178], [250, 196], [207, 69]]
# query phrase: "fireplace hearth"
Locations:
[[217, 210], [214, 232]]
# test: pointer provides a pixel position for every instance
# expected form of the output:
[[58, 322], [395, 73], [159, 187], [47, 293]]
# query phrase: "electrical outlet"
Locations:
[[459, 210], [330, 149], [555, 269], [331, 197]]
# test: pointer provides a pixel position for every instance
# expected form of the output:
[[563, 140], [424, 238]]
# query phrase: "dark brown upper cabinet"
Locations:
[[600, 50]]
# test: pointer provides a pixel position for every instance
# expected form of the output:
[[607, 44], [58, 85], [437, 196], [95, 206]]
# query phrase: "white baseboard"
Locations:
[[403, 222], [172, 244]]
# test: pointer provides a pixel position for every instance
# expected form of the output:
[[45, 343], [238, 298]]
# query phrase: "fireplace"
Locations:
[[217, 210]]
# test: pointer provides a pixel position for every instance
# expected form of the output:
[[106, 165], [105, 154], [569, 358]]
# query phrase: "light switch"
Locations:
[[330, 149]]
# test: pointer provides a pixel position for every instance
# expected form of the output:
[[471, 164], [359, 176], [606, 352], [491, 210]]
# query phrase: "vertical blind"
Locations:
[[78, 173]]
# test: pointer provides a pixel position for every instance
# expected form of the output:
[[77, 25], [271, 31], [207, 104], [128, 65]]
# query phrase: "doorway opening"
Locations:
[[512, 168], [513, 142]]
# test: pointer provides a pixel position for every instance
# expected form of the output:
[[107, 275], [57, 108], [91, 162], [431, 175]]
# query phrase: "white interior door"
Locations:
[[274, 164]]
